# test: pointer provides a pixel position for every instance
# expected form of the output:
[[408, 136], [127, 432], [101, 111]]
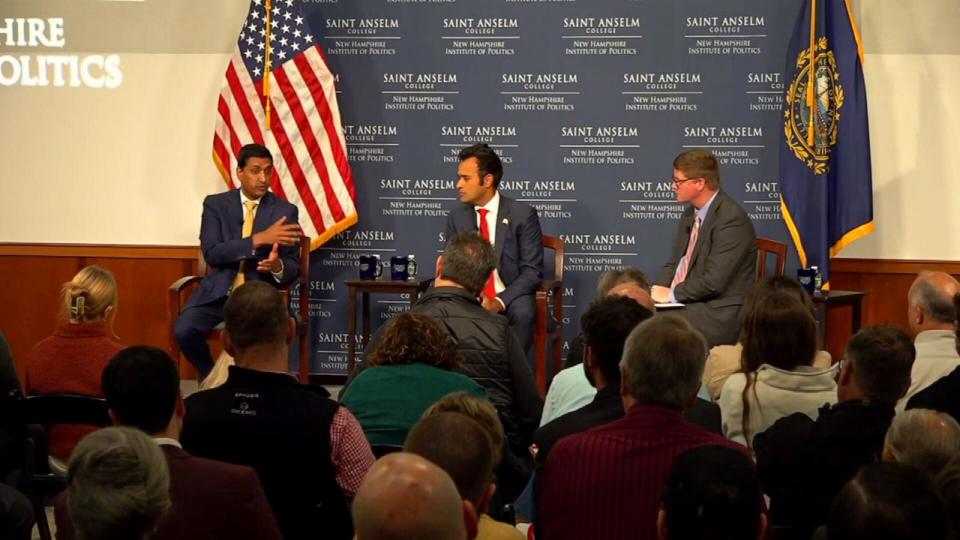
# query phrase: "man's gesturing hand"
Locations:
[[272, 262], [278, 233]]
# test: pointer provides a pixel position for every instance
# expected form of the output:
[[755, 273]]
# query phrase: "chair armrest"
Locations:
[[547, 286], [179, 285]]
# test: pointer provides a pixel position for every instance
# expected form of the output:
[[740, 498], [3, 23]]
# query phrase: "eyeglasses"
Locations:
[[678, 181]]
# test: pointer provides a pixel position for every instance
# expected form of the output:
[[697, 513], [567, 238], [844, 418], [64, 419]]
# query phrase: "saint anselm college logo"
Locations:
[[811, 126]]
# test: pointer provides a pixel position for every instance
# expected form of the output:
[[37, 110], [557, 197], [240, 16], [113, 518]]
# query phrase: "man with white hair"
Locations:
[[932, 320], [925, 439]]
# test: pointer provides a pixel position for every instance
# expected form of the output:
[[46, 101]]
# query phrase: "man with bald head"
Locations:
[[932, 320], [405, 496]]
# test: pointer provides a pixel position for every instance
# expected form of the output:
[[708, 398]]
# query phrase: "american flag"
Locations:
[[304, 131]]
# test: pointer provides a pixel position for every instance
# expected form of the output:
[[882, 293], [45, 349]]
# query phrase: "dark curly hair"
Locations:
[[415, 339]]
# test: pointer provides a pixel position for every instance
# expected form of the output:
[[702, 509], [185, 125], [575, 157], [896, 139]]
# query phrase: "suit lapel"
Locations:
[[470, 218], [235, 213], [264, 216], [503, 223]]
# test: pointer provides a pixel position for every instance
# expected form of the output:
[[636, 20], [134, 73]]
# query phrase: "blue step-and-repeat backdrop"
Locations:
[[586, 101]]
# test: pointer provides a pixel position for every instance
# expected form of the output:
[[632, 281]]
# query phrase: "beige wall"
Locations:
[[128, 165], [61, 185], [912, 72]]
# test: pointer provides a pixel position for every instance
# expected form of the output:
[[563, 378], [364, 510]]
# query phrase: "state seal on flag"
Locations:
[[811, 127]]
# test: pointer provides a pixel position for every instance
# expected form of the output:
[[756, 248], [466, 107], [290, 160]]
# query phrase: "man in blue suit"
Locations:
[[245, 234], [514, 230]]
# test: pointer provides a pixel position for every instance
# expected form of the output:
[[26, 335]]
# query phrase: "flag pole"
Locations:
[[266, 72], [812, 77]]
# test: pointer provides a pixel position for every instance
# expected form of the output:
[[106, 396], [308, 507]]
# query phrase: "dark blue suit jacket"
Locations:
[[519, 244], [223, 248]]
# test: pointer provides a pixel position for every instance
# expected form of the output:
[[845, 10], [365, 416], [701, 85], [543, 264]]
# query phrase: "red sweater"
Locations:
[[70, 362]]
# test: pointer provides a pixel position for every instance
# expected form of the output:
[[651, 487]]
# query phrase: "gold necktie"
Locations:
[[245, 232]]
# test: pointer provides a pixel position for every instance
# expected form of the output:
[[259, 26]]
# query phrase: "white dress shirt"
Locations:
[[493, 206]]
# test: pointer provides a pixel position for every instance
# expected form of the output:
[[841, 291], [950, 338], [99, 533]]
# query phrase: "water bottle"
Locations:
[[817, 280], [411, 267]]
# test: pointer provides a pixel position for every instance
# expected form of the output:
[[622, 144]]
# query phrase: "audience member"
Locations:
[[606, 482], [932, 319], [461, 447], [410, 368], [724, 360], [712, 493], [888, 501], [142, 388], [404, 496], [491, 353], [571, 388], [944, 394], [626, 281], [948, 486], [510, 474], [118, 486], [71, 360], [606, 324], [803, 463], [776, 377], [925, 439], [309, 452]]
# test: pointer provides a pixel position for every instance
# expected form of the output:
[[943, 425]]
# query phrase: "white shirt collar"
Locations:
[[244, 198], [493, 205], [166, 441]]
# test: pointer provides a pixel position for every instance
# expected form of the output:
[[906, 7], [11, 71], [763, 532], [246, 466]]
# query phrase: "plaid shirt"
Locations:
[[349, 452]]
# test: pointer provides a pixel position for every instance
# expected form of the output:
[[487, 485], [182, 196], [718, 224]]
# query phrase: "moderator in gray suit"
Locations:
[[723, 266]]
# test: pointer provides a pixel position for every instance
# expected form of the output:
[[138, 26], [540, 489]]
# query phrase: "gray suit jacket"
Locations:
[[723, 266]]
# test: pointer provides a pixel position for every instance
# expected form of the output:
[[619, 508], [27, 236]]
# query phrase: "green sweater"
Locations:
[[389, 400]]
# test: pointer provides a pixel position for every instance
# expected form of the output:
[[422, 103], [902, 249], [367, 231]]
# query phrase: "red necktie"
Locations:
[[685, 266], [488, 290]]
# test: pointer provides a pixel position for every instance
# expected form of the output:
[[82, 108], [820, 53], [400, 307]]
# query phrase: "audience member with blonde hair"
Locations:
[[410, 368], [462, 448], [724, 360], [776, 378], [118, 485], [509, 473], [72, 359]]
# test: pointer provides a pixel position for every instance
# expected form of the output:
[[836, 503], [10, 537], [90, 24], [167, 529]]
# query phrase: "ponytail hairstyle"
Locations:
[[90, 295]]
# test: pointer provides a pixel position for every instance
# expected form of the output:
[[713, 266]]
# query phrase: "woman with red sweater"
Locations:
[[72, 359]]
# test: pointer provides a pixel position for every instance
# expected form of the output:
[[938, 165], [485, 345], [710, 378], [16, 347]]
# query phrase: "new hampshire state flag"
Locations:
[[825, 181]]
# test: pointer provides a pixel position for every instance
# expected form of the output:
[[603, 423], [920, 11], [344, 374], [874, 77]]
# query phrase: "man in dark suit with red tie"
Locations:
[[714, 258], [210, 499], [514, 230], [245, 234]]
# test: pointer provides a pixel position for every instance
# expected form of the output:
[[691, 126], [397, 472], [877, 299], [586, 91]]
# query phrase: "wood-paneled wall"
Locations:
[[886, 283], [31, 276]]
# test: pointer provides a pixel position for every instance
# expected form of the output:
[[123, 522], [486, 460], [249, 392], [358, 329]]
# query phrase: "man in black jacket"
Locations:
[[803, 463], [491, 351], [309, 452]]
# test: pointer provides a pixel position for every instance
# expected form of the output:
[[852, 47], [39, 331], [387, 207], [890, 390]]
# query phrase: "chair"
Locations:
[[766, 246], [542, 332], [36, 412], [299, 289]]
